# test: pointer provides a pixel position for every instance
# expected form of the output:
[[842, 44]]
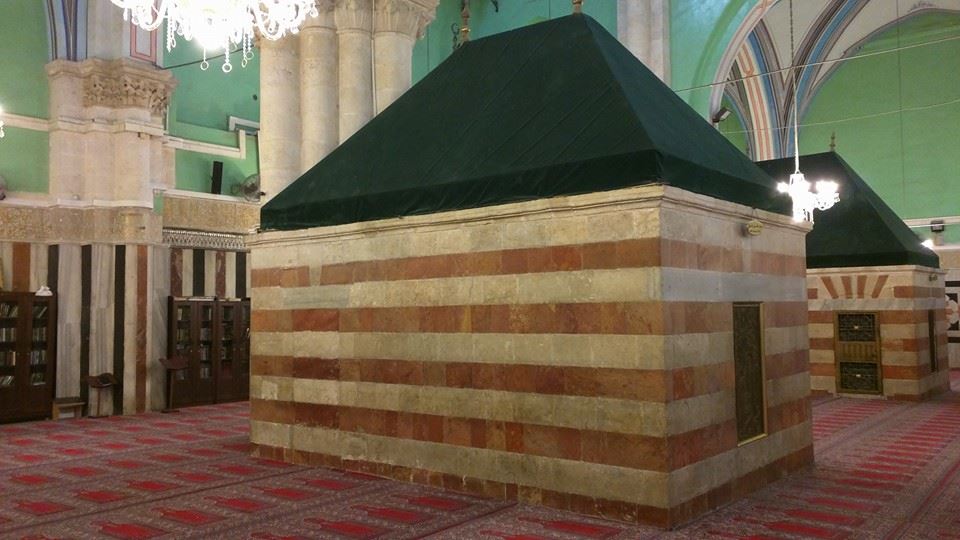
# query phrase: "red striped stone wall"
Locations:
[[575, 352], [901, 296]]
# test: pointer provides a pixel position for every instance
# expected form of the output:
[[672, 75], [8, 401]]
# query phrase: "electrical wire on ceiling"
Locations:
[[852, 118], [820, 63]]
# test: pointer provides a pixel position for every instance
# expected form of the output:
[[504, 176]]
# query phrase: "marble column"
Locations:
[[279, 135], [106, 122], [396, 26], [319, 86], [354, 19], [643, 26]]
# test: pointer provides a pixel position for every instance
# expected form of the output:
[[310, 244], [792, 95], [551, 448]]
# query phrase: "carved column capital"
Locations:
[[324, 18], [354, 15], [409, 17], [125, 83]]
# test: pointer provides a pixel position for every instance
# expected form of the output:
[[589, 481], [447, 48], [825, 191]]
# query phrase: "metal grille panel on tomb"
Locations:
[[858, 353], [748, 365]]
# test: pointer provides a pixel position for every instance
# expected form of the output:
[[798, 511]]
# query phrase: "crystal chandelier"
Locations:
[[220, 24], [804, 200]]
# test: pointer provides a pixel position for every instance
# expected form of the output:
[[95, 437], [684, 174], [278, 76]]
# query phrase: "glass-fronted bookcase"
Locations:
[[28, 348], [212, 334]]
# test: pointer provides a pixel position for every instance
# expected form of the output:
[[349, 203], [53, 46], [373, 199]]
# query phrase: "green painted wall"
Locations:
[[700, 32], [24, 154], [25, 160], [437, 43], [199, 111], [194, 169], [23, 81], [207, 98], [733, 128], [910, 159]]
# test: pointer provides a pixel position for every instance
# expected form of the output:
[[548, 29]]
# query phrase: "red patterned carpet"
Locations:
[[884, 470]]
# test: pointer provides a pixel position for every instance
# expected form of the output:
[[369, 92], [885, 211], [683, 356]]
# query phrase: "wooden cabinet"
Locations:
[[213, 335], [28, 348]]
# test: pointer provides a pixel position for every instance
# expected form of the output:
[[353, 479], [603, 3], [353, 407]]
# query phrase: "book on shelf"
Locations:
[[38, 358], [8, 334], [38, 378], [39, 311], [6, 380], [8, 309]]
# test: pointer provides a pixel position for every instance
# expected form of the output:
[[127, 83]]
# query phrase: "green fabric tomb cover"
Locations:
[[556, 108], [860, 230]]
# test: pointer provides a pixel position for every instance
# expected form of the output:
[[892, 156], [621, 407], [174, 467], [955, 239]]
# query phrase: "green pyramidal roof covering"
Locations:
[[556, 108], [860, 230]]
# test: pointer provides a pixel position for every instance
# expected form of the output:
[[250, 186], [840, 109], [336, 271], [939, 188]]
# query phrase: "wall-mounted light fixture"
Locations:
[[722, 114], [937, 227]]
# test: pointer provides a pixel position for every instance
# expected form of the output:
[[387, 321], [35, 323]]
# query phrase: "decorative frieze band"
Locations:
[[203, 240]]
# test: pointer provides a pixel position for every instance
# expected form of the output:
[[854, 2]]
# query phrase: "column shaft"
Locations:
[[354, 32], [319, 93], [643, 26], [393, 62], [279, 115]]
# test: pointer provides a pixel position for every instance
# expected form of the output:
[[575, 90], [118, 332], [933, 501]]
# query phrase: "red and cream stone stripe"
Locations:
[[576, 352], [901, 296]]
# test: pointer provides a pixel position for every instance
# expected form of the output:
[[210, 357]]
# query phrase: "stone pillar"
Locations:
[[319, 86], [396, 26], [354, 20], [643, 26], [279, 135], [106, 126]]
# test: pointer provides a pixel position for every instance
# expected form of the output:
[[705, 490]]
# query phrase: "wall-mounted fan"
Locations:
[[249, 189]]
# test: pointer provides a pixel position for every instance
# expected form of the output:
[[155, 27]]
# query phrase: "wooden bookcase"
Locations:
[[28, 349], [213, 335]]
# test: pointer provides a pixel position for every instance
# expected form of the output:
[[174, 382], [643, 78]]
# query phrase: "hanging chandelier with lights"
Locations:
[[805, 201], [220, 24]]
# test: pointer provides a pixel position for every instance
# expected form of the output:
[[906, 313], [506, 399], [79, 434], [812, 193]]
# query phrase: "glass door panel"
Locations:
[[227, 340], [39, 342], [8, 344], [205, 351], [183, 340]]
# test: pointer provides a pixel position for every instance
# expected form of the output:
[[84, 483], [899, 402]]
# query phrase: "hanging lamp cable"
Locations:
[[796, 118]]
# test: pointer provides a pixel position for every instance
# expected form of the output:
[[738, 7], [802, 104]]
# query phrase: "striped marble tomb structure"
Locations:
[[561, 304], [878, 325], [572, 352], [900, 348]]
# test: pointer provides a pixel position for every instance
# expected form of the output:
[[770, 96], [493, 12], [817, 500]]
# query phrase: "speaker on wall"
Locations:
[[216, 184]]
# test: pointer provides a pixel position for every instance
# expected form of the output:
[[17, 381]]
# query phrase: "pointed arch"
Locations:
[[67, 23]]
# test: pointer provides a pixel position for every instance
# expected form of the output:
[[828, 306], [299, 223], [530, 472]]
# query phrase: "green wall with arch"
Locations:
[[700, 33], [909, 158]]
